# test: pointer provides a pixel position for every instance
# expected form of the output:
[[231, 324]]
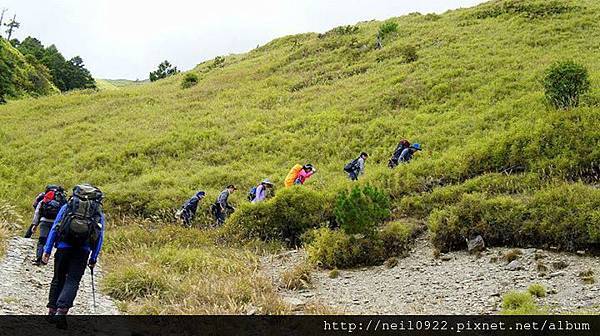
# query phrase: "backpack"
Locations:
[[53, 199], [351, 166], [252, 194], [292, 175], [401, 146], [81, 221]]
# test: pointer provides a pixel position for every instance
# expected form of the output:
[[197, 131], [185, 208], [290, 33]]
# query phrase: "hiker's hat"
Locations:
[[416, 146], [200, 194], [267, 181], [232, 187]]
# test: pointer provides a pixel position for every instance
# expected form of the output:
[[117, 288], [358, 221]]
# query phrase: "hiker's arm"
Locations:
[[96, 251], [53, 234], [404, 154], [36, 216]]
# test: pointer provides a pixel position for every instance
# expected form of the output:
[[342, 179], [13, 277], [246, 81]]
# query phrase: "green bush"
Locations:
[[409, 52], [519, 303], [387, 28], [190, 79], [565, 82], [361, 210], [284, 217], [537, 290], [337, 249], [564, 215]]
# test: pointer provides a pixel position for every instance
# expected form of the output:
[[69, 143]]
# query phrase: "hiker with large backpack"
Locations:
[[222, 206], [402, 145], [46, 209], [189, 208], [77, 234], [260, 192], [408, 153], [356, 167], [299, 174]]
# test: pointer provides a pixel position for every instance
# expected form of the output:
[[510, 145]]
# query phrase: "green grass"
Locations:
[[497, 160]]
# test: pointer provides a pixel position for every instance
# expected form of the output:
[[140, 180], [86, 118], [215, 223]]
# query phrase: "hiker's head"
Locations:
[[200, 194], [267, 183], [364, 155], [416, 147], [231, 188], [308, 167]]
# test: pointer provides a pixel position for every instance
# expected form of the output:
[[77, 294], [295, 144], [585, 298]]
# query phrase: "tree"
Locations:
[[2, 17], [165, 69], [12, 25], [32, 46], [78, 77]]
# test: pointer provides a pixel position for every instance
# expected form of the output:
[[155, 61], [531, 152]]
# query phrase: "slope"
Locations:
[[472, 98]]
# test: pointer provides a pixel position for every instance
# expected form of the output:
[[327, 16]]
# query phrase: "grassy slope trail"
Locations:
[[24, 287]]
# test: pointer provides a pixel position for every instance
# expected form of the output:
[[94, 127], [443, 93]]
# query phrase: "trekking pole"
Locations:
[[93, 288]]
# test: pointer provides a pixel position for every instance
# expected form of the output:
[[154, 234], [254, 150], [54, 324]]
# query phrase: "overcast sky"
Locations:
[[128, 38]]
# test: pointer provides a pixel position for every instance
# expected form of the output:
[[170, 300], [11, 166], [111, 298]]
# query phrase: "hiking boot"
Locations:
[[37, 262], [50, 316]]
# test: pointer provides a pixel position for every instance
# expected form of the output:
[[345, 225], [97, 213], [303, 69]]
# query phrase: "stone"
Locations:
[[514, 265], [476, 244]]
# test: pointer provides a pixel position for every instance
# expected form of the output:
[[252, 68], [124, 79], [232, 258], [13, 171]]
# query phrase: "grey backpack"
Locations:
[[80, 223]]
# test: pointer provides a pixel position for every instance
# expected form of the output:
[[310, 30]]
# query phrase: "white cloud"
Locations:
[[128, 38]]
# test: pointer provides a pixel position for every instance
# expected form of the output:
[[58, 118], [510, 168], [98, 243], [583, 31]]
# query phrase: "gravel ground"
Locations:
[[455, 283], [24, 287]]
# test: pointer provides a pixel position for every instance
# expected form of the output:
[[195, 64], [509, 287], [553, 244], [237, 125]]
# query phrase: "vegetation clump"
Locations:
[[361, 210], [528, 9], [564, 83], [519, 303], [298, 277], [190, 79], [165, 69], [537, 290], [387, 29]]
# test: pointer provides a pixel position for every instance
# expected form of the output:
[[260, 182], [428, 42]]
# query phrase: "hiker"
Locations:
[[356, 167], [305, 173], [47, 207], [408, 153], [260, 192], [222, 206], [77, 234], [188, 209], [402, 145]]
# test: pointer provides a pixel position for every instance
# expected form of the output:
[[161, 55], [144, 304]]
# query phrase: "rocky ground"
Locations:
[[453, 283], [24, 287]]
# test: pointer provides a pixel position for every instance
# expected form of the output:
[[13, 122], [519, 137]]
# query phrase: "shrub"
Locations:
[[334, 273], [344, 30], [190, 79], [298, 277], [132, 282], [387, 28], [537, 290], [518, 303], [511, 255], [561, 215], [284, 217], [409, 52], [398, 236], [564, 82], [361, 210]]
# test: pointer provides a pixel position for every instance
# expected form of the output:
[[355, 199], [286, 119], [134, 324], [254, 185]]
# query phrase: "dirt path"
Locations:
[[457, 283], [24, 287]]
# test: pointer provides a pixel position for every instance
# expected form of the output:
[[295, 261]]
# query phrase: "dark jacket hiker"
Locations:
[[402, 145], [356, 167], [405, 155], [189, 208], [46, 209], [77, 234], [222, 206]]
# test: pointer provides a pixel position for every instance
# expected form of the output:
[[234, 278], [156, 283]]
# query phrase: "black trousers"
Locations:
[[44, 228], [69, 266]]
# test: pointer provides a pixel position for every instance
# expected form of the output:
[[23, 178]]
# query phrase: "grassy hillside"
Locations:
[[473, 98], [111, 84], [497, 160], [22, 76]]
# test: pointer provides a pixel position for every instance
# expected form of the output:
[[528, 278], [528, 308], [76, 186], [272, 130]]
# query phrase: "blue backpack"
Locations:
[[252, 194]]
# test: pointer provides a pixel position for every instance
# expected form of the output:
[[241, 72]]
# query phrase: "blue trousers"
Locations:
[[69, 266]]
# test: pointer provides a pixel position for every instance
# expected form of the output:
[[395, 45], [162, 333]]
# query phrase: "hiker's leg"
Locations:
[[76, 267], [44, 231], [58, 280]]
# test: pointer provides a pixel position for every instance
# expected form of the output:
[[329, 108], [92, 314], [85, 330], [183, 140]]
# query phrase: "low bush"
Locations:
[[387, 28], [190, 79], [565, 82], [511, 255], [519, 303], [527, 9], [563, 215], [135, 282], [361, 210], [284, 217], [409, 53], [337, 249], [537, 290]]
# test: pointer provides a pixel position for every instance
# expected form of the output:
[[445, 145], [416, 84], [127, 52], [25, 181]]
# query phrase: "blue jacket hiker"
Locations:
[[78, 234], [189, 208]]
